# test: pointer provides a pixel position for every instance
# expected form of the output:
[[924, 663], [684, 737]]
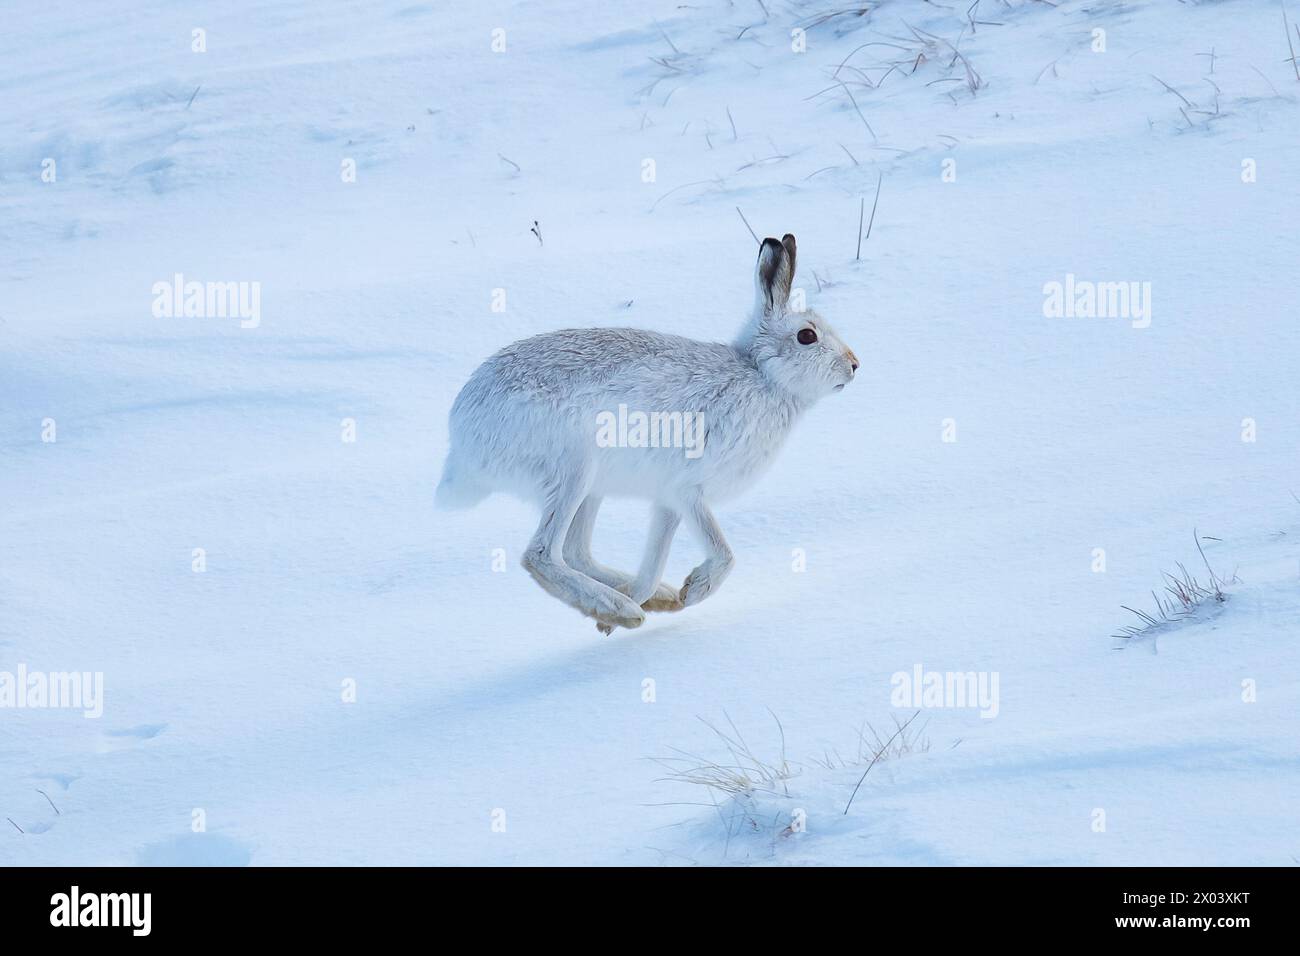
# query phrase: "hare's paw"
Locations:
[[665, 598], [698, 585], [615, 610]]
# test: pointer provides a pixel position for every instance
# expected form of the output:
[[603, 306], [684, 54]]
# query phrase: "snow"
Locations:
[[475, 691]]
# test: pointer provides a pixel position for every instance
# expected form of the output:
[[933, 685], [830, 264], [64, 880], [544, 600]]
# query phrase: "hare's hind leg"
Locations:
[[545, 562], [577, 546], [577, 555], [708, 577]]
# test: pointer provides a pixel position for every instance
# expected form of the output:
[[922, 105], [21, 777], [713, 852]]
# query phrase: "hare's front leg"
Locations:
[[708, 577], [544, 561], [645, 588], [577, 555]]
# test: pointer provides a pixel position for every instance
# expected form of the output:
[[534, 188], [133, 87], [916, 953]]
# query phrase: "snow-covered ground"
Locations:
[[491, 724]]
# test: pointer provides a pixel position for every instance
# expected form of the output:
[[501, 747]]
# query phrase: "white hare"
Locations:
[[526, 422]]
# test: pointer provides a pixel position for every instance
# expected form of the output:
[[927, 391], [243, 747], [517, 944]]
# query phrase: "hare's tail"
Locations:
[[460, 486]]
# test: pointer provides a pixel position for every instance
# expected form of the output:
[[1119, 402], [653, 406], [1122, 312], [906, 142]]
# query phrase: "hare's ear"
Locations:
[[788, 242], [773, 275]]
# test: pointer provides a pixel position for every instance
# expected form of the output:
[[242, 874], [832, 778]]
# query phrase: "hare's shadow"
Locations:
[[603, 658]]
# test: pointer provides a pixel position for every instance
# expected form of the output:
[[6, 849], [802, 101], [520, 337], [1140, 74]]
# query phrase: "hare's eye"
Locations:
[[807, 336]]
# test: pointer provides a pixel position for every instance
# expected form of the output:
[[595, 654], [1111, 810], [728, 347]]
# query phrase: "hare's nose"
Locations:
[[855, 365]]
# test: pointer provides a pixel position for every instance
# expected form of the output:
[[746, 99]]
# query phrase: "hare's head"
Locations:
[[795, 348]]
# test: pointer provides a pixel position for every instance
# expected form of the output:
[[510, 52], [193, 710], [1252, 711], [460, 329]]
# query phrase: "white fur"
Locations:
[[526, 423]]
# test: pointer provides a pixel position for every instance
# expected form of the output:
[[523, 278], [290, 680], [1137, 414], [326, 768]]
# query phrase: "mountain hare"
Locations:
[[548, 418]]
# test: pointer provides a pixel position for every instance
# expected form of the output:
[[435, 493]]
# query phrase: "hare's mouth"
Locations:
[[840, 387]]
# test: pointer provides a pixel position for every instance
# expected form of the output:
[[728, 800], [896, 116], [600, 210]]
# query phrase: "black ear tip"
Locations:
[[769, 241], [787, 239]]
